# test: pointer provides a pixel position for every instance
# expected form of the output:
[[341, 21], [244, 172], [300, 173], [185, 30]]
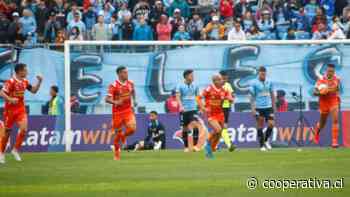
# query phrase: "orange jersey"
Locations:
[[16, 88], [123, 92], [330, 98], [213, 99]]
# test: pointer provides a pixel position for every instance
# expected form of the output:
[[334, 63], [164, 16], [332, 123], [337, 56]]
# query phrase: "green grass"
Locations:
[[170, 173]]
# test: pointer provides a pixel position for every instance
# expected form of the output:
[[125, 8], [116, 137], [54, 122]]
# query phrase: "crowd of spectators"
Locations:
[[54, 21]]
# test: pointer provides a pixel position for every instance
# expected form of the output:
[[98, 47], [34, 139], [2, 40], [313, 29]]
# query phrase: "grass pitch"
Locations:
[[171, 173]]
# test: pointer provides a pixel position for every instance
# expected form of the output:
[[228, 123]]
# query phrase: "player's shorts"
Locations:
[[227, 112], [12, 117], [187, 117], [122, 119], [267, 113], [220, 117], [327, 107]]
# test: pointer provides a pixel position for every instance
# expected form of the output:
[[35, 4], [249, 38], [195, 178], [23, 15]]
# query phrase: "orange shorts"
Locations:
[[122, 119], [220, 117], [326, 107], [14, 116]]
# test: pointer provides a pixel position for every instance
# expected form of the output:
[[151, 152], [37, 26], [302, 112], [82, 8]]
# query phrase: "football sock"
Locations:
[[4, 141], [19, 139], [268, 133], [185, 138], [226, 137], [261, 137], [195, 136], [335, 135]]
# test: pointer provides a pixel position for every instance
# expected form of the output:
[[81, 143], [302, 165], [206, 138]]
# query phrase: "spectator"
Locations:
[[41, 15], [310, 11], [142, 8], [226, 8], [142, 31], [248, 21], [14, 28], [229, 24], [107, 12], [328, 6], [114, 27], [195, 26], [4, 27], [101, 31], [176, 20], [75, 34], [126, 29], [321, 33], [214, 30], [281, 103], [319, 18], [74, 11], [236, 33], [171, 104], [255, 34], [89, 18], [266, 23], [241, 8], [76, 22], [56, 103], [290, 35], [61, 10], [164, 28], [123, 12], [51, 28], [264, 10], [336, 33], [156, 12], [28, 25], [181, 34], [61, 37], [301, 22], [182, 5]]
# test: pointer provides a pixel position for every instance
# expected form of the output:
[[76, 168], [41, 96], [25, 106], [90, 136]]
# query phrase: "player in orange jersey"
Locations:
[[327, 89], [214, 95], [14, 110], [121, 94]]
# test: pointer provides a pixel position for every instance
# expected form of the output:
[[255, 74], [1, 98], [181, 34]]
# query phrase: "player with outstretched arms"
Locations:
[[121, 94], [327, 89], [262, 100], [14, 109], [214, 95]]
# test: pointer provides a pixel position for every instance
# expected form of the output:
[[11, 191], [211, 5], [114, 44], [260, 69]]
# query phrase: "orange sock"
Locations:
[[129, 131], [116, 141], [3, 142], [335, 135], [19, 139]]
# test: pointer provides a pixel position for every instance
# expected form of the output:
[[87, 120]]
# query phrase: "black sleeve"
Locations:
[[29, 87]]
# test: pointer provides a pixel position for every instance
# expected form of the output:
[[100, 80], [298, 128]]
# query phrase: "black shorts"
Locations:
[[187, 117], [267, 113], [227, 112]]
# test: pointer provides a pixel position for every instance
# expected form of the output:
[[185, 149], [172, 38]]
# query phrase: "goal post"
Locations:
[[157, 66]]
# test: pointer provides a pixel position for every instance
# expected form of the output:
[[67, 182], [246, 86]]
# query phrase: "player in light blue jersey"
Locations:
[[186, 94], [262, 99]]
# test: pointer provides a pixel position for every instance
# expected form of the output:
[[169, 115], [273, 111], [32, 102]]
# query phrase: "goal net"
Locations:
[[156, 68]]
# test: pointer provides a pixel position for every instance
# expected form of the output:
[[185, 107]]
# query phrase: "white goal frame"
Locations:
[[67, 80]]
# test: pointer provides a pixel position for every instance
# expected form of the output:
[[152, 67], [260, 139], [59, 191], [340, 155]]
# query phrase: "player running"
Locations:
[[14, 109], [214, 95], [226, 105], [262, 100], [327, 89], [121, 94], [186, 94]]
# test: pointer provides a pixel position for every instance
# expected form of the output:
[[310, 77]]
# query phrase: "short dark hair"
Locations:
[[330, 65], [154, 112], [262, 69], [223, 72], [55, 88], [19, 67], [187, 72], [120, 68]]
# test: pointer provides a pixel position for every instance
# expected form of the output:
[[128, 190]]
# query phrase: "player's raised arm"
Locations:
[[35, 88]]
